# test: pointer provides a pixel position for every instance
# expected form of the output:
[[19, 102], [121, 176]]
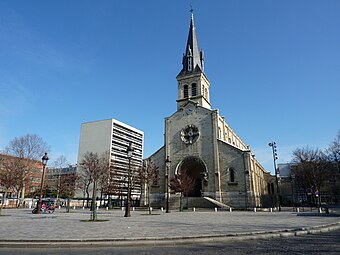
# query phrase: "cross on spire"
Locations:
[[191, 9]]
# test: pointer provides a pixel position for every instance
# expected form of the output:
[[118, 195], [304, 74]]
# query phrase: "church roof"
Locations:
[[192, 58]]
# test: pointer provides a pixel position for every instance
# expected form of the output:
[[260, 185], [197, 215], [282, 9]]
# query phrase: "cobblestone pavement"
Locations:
[[21, 224]]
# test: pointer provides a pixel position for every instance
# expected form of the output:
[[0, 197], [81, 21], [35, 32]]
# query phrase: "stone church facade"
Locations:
[[199, 141]]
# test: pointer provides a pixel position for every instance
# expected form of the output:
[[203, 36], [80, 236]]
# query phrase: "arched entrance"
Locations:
[[197, 170]]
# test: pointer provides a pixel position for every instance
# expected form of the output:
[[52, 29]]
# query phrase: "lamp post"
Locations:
[[292, 180], [167, 164], [44, 160], [129, 152], [278, 197], [58, 185]]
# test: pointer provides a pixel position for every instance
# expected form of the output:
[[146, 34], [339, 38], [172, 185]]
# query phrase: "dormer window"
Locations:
[[189, 64], [193, 89]]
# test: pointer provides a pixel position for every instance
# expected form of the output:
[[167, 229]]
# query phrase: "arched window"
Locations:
[[185, 88], [193, 89], [206, 93], [231, 175]]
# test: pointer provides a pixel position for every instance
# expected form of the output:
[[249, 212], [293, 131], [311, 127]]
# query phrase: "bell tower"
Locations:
[[193, 85]]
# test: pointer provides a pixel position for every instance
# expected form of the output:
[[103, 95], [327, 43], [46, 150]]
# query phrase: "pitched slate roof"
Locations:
[[193, 57]]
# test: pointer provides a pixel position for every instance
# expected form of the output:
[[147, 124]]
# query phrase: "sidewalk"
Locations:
[[21, 227]]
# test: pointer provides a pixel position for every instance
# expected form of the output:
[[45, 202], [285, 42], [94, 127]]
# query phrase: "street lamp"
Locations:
[[129, 152], [292, 179], [44, 160], [167, 164], [58, 184], [278, 197]]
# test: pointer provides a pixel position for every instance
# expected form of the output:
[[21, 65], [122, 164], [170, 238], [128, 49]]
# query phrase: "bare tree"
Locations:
[[104, 178], [67, 187], [109, 186], [8, 176], [84, 182], [60, 163], [313, 168], [28, 149], [333, 153], [183, 183], [148, 176], [17, 165], [93, 167]]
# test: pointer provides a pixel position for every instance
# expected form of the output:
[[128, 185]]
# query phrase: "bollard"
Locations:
[[151, 209], [254, 209], [230, 209], [83, 207], [271, 209], [298, 210], [320, 210], [133, 209], [215, 209], [122, 208], [74, 207], [59, 207], [194, 209], [107, 208], [97, 208], [162, 209]]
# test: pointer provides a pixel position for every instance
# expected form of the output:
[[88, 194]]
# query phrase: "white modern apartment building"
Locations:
[[112, 137]]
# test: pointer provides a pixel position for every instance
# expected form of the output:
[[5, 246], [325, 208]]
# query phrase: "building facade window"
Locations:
[[185, 91], [231, 175], [193, 89], [272, 188], [155, 180]]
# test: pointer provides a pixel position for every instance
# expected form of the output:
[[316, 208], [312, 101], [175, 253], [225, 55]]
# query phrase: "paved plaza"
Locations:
[[20, 225]]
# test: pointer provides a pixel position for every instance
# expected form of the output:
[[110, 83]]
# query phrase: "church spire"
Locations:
[[193, 85], [193, 59]]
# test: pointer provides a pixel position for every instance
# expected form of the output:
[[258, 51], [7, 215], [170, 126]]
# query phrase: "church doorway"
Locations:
[[196, 169]]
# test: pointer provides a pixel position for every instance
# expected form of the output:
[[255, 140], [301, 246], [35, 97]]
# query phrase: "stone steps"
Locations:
[[197, 202]]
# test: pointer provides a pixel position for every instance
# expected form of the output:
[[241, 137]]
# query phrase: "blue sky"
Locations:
[[274, 68]]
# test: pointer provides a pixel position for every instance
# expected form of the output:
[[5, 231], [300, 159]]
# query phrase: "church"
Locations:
[[199, 142]]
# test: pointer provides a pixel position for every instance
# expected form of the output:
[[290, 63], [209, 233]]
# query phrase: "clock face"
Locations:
[[189, 110], [189, 134]]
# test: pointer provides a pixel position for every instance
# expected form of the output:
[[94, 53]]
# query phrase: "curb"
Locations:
[[174, 241]]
